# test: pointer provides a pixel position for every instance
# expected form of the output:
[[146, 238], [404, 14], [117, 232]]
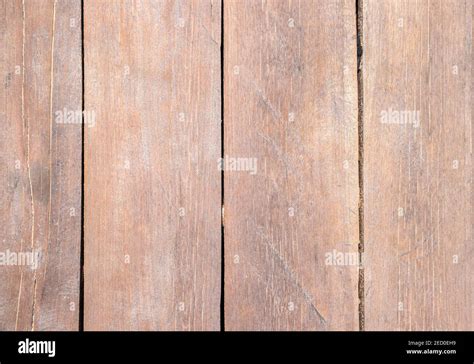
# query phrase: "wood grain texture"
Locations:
[[418, 201], [152, 186], [40, 161], [152, 178], [291, 103]]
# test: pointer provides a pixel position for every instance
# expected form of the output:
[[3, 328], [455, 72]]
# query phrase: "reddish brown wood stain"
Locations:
[[153, 190], [418, 175], [303, 195], [40, 176], [291, 103]]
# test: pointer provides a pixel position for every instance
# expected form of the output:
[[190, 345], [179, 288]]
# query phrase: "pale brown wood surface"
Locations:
[[291, 103], [301, 190], [152, 185], [40, 164], [418, 200]]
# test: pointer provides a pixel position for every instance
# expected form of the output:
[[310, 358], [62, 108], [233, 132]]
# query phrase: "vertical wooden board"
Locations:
[[291, 200], [418, 198], [40, 161], [152, 186]]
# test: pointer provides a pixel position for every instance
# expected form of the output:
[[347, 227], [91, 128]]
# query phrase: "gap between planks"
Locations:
[[360, 125]]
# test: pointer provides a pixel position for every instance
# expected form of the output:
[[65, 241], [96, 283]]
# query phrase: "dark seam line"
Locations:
[[81, 289], [222, 313], [360, 126]]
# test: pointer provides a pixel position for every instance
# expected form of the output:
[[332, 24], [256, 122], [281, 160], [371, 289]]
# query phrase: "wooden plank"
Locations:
[[40, 175], [291, 110], [152, 186], [418, 171]]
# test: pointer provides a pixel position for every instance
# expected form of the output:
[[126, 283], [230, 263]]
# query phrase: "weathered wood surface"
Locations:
[[40, 165], [152, 178], [418, 200], [152, 184], [291, 107]]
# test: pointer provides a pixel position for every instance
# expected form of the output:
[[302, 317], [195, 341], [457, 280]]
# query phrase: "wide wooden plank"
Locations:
[[291, 200], [40, 165], [152, 184], [418, 200]]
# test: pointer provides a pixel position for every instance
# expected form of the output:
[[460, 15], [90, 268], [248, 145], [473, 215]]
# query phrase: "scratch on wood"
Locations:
[[28, 155], [291, 275]]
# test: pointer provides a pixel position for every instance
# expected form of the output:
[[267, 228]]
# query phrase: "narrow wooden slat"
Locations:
[[418, 170], [152, 186], [40, 161], [291, 110]]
